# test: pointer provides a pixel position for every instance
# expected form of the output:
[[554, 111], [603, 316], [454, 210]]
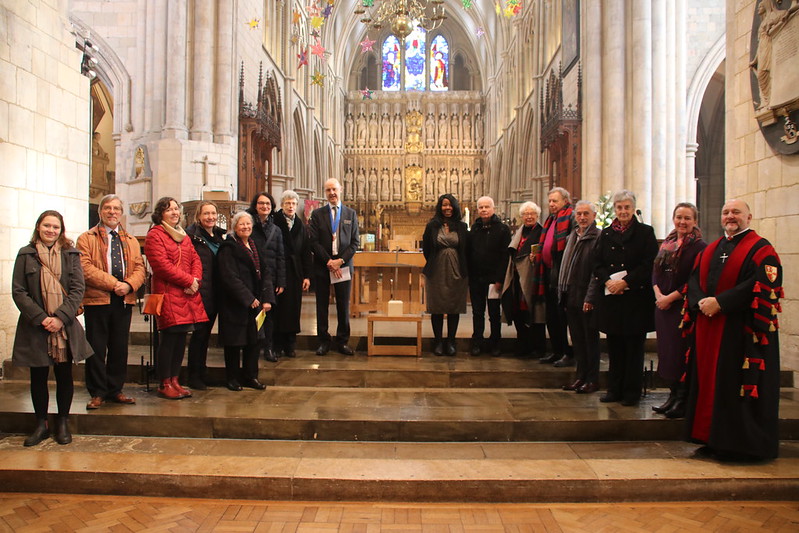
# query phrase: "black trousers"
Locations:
[[40, 392], [626, 371], [107, 330], [198, 346], [531, 339], [241, 362], [585, 341], [169, 357], [479, 297], [342, 291], [556, 323]]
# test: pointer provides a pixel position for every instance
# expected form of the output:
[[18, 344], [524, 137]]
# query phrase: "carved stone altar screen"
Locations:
[[403, 150]]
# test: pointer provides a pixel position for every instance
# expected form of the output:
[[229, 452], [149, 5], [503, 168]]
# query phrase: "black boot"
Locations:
[[661, 409], [39, 434], [450, 347], [677, 410], [62, 433], [438, 347]]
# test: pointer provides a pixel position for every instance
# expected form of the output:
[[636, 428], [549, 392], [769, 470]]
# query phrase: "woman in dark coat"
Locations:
[[206, 237], [47, 289], [520, 295], [246, 289], [177, 272], [673, 266], [269, 240], [299, 263], [625, 310], [446, 276]]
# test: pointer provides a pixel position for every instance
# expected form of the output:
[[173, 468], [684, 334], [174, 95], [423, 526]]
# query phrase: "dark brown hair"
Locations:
[[62, 238], [160, 206]]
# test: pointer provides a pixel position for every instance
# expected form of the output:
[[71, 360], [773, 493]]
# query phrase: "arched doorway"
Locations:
[[103, 160], [709, 168]]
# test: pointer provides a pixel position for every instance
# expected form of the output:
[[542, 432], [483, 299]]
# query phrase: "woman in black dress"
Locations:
[[446, 281]]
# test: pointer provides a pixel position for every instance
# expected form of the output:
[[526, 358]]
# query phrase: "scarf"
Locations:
[[52, 296], [210, 240], [618, 228], [252, 251], [671, 249], [555, 242], [177, 233]]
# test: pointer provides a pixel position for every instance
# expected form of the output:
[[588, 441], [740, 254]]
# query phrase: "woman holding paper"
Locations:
[[626, 311], [246, 291]]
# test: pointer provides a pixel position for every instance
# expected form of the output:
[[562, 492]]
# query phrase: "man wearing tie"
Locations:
[[334, 241], [114, 271]]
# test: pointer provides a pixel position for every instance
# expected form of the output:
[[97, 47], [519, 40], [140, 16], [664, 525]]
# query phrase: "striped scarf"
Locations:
[[562, 222], [52, 296]]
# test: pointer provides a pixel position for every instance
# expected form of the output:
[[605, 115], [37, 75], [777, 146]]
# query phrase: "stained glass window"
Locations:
[[391, 64], [414, 60], [439, 64]]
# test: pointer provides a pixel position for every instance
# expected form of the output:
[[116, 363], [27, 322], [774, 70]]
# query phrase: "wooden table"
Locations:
[[371, 282], [388, 349]]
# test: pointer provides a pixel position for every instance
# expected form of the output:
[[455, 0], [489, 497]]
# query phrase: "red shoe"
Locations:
[[166, 390], [184, 393]]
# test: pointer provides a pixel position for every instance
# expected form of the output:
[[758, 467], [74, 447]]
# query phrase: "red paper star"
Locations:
[[303, 57], [366, 94], [318, 50], [366, 44]]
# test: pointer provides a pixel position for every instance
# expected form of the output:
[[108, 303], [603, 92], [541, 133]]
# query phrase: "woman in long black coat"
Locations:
[[246, 289], [625, 311], [299, 262], [206, 237]]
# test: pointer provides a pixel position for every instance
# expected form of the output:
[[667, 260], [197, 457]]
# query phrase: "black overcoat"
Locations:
[[299, 265], [632, 312], [238, 287], [208, 291], [269, 240]]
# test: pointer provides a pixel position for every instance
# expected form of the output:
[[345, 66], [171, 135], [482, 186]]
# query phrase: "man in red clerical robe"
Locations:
[[734, 294]]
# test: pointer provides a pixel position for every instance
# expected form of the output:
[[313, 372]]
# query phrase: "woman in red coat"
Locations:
[[177, 272]]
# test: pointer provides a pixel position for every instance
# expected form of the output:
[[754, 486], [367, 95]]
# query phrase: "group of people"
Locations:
[[715, 320], [714, 307]]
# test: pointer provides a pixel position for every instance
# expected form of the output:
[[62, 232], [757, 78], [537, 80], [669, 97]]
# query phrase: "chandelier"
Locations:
[[401, 15]]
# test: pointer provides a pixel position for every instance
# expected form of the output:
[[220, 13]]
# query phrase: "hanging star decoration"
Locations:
[[366, 44], [480, 32], [366, 94], [253, 23], [512, 8], [316, 22], [294, 38], [315, 34], [296, 16], [497, 7], [313, 10], [318, 79], [467, 4], [303, 57], [318, 50], [368, 3], [327, 10]]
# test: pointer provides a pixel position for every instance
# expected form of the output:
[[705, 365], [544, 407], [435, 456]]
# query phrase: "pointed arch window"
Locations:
[[391, 64], [439, 64], [415, 60]]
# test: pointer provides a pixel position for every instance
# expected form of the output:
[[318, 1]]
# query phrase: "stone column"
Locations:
[[686, 191], [225, 78], [203, 84], [671, 108], [660, 211], [639, 123], [139, 81], [614, 88], [175, 52], [592, 100]]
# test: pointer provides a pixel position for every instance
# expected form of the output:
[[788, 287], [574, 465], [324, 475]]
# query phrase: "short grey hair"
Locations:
[[590, 205], [563, 192], [529, 205], [235, 220], [623, 196], [289, 195], [109, 198], [486, 198]]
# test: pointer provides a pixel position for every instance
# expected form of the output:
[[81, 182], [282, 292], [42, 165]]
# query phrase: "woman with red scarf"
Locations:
[[625, 312], [673, 266]]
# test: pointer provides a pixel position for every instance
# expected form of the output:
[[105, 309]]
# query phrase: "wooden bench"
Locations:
[[387, 349]]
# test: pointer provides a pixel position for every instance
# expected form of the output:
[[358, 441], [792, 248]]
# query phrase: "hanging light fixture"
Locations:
[[402, 16]]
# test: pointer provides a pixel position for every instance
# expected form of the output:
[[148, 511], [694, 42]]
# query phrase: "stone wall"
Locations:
[[767, 181], [44, 134]]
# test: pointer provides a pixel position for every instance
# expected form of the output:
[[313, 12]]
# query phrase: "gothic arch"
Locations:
[[317, 161], [696, 90], [300, 161], [113, 74]]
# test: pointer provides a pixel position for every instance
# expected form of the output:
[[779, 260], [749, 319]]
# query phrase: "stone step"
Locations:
[[335, 370], [372, 414], [410, 472]]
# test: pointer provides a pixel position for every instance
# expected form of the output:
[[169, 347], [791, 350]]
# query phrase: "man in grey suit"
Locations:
[[334, 241]]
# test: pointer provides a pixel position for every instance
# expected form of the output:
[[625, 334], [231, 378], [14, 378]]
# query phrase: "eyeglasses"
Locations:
[[264, 203]]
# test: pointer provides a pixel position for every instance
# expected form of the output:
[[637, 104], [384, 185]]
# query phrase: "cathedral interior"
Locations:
[[221, 99]]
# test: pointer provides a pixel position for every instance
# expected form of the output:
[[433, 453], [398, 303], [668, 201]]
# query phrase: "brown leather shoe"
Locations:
[[121, 398], [574, 386], [588, 388], [94, 403]]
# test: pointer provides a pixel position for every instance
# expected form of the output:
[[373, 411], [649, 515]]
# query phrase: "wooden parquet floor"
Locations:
[[67, 513]]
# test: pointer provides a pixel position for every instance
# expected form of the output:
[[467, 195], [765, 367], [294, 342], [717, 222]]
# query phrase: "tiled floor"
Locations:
[[43, 513]]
